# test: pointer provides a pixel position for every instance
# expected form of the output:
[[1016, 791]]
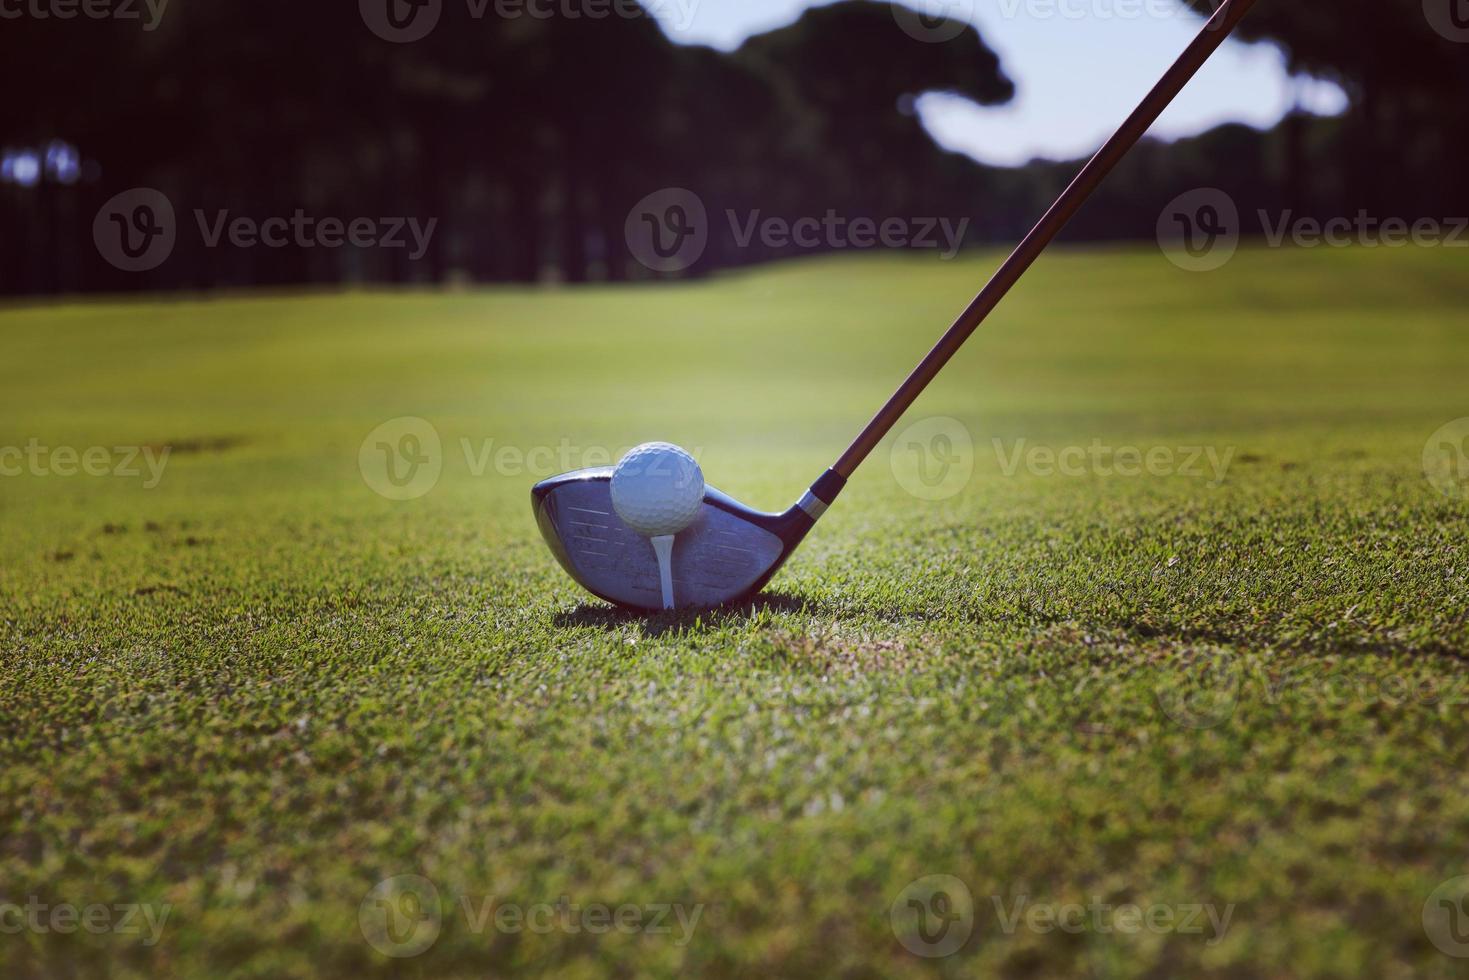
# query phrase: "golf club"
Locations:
[[731, 551]]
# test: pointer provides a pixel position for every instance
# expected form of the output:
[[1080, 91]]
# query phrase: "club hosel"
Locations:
[[823, 494]]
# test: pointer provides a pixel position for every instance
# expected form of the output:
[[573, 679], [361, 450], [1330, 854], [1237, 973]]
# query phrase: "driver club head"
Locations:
[[729, 551]]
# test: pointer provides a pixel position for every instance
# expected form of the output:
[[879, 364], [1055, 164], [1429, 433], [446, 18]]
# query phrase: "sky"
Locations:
[[1079, 67]]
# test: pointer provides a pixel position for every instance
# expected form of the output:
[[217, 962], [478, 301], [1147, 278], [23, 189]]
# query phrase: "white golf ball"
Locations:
[[657, 489]]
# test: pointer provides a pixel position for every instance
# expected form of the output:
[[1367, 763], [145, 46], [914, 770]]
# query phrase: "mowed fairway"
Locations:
[[258, 689]]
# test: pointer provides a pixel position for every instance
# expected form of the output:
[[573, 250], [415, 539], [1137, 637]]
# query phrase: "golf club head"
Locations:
[[730, 551]]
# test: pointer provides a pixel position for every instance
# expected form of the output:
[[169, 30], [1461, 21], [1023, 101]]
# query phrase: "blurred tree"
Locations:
[[1407, 120], [848, 76]]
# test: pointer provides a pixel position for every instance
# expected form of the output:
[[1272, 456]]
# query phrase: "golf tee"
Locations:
[[663, 548]]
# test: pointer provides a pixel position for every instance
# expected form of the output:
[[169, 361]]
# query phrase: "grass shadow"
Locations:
[[1266, 639], [613, 618]]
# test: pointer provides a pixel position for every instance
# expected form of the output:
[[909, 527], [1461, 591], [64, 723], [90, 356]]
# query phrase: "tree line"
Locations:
[[524, 144]]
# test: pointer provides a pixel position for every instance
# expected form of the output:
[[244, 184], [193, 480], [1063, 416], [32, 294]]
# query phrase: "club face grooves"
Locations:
[[728, 553]]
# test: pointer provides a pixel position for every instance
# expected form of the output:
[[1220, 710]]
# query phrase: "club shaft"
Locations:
[[1215, 31]]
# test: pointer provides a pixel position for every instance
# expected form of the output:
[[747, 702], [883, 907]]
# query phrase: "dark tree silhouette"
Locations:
[[1408, 119], [528, 139]]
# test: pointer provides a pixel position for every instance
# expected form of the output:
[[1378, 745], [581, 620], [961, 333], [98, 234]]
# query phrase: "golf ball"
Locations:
[[657, 489]]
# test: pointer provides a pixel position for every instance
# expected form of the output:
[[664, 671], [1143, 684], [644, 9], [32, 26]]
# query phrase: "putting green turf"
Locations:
[[256, 690]]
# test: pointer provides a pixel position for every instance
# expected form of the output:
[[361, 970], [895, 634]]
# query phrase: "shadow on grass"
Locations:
[[612, 618], [1264, 639]]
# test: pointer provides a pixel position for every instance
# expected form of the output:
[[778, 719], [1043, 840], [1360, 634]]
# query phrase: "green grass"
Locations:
[[256, 690]]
